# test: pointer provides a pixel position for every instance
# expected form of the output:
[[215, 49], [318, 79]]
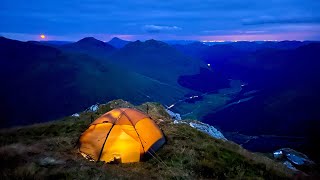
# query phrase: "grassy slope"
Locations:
[[76, 85], [188, 153], [47, 84]]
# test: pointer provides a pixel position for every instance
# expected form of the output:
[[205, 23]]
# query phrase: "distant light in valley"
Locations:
[[214, 41], [271, 40]]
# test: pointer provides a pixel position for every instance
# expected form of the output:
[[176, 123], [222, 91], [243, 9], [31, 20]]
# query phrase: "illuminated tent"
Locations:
[[121, 135]]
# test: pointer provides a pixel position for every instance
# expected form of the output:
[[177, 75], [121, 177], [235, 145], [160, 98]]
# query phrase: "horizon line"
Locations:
[[191, 40], [163, 37]]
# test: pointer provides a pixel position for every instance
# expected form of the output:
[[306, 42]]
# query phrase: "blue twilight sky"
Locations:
[[163, 19]]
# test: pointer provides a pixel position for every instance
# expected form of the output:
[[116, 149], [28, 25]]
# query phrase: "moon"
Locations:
[[42, 36]]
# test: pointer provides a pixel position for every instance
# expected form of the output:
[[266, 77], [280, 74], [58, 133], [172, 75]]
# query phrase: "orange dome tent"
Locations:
[[122, 135]]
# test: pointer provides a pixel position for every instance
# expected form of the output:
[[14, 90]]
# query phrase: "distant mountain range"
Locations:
[[43, 83], [226, 51], [148, 58]]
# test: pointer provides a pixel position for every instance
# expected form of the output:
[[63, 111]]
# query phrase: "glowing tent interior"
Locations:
[[121, 135]]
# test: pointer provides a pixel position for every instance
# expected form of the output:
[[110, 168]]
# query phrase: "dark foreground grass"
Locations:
[[48, 151]]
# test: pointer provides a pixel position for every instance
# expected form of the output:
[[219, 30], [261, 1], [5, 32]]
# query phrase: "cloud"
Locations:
[[283, 20], [157, 29], [233, 32]]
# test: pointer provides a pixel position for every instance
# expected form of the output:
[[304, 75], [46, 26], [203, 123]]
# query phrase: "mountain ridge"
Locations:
[[90, 46], [59, 83], [118, 43], [151, 57]]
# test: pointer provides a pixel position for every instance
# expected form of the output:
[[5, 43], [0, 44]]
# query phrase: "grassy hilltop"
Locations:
[[48, 150]]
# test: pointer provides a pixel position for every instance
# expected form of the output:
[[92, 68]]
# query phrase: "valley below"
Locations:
[[205, 106]]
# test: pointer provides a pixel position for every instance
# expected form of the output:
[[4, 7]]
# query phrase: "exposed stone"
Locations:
[[294, 160], [203, 127], [174, 116], [278, 154], [206, 128], [49, 161], [93, 108], [75, 115], [290, 166]]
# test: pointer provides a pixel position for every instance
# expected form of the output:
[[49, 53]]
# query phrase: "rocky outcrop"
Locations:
[[293, 156], [294, 160], [203, 127], [206, 128], [50, 161]]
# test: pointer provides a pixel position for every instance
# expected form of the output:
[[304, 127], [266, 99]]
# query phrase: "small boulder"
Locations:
[[298, 161], [93, 108], [180, 122], [75, 115], [278, 154], [49, 161]]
